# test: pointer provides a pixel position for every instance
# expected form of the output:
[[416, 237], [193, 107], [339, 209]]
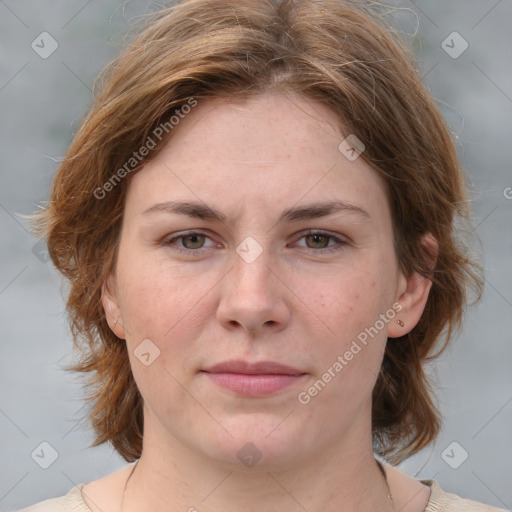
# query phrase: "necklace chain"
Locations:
[[126, 484], [381, 468], [390, 496]]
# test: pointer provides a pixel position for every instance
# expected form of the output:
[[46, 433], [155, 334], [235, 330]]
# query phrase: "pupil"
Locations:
[[193, 239], [316, 238]]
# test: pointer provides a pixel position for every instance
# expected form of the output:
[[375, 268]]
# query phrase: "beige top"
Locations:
[[440, 501]]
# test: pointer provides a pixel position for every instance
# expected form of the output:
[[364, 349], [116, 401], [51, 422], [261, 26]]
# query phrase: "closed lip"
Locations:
[[258, 368]]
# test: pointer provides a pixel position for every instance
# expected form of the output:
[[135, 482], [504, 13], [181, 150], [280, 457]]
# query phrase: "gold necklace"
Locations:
[[380, 466]]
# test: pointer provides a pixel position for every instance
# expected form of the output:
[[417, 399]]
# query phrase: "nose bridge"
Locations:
[[251, 295], [252, 273]]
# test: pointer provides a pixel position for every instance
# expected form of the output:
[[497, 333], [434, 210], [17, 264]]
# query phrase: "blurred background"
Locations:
[[50, 55]]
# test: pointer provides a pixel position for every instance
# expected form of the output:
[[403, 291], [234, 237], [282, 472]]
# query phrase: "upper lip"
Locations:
[[259, 368]]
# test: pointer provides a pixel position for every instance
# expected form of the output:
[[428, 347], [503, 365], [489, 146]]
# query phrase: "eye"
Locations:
[[318, 241], [192, 241]]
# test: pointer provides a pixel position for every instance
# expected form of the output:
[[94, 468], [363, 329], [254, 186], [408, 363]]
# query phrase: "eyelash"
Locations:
[[327, 250]]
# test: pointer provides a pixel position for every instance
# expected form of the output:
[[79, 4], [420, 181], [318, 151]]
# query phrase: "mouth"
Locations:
[[253, 379]]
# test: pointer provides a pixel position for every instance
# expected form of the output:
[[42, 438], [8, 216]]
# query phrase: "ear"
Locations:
[[111, 307], [412, 293]]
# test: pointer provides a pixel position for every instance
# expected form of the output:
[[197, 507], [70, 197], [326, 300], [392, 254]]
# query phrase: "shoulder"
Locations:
[[95, 496], [71, 502], [413, 495], [442, 501]]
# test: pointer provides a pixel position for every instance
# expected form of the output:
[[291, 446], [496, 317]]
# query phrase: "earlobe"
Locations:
[[111, 308], [413, 293]]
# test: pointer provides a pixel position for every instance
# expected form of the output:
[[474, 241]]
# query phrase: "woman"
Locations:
[[256, 220]]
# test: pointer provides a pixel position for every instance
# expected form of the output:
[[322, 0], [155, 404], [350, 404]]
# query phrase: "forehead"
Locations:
[[269, 151], [280, 125]]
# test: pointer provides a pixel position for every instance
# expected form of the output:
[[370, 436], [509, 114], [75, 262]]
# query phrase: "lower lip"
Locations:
[[254, 385]]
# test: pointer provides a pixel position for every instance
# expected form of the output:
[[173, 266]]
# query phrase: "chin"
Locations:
[[255, 444]]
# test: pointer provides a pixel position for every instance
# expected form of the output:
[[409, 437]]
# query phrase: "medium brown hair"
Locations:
[[341, 53]]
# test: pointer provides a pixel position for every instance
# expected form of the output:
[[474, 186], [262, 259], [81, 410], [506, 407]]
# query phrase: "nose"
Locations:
[[253, 297]]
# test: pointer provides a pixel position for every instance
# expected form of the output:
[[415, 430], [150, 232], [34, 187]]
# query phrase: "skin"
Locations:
[[295, 304]]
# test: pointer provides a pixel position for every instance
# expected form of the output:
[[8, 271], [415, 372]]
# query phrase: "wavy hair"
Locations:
[[341, 53]]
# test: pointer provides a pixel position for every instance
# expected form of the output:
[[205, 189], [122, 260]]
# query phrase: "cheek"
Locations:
[[349, 302], [350, 309], [160, 310], [156, 301]]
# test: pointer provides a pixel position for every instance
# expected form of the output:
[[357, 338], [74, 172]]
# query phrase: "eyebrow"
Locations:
[[311, 211]]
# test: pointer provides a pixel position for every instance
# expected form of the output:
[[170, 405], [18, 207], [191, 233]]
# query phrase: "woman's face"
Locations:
[[249, 283]]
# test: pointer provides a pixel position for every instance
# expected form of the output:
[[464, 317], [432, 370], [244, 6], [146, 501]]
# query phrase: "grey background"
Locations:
[[41, 104]]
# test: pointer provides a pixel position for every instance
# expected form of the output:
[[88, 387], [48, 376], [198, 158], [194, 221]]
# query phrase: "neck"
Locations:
[[171, 477]]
